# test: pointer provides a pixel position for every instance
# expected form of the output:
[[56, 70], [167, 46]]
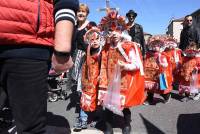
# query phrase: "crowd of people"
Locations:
[[109, 62], [118, 64]]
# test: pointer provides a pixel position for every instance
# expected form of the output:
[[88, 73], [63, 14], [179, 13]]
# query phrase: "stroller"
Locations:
[[57, 86], [6, 119]]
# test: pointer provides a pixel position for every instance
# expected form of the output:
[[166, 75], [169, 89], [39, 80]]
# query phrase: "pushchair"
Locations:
[[57, 86], [6, 118]]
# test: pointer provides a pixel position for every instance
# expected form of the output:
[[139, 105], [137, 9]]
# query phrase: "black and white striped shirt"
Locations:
[[65, 10]]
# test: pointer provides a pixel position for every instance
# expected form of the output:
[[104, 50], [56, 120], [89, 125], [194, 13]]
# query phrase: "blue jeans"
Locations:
[[83, 115]]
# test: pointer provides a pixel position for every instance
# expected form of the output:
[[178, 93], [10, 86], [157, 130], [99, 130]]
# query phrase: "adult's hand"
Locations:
[[63, 39], [61, 64]]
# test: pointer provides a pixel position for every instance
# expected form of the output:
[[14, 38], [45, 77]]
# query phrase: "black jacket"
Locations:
[[188, 35], [136, 32]]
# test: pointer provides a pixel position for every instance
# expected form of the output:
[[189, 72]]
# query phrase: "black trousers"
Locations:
[[25, 81], [108, 116], [3, 98]]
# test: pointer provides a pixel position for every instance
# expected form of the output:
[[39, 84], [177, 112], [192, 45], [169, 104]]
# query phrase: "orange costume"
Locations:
[[90, 73], [189, 74], [153, 68], [90, 70], [175, 56], [132, 81]]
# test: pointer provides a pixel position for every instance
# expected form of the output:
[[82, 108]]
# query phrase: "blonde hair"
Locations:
[[84, 7]]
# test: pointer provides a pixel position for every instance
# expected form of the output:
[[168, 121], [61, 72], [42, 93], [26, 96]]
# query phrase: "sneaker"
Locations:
[[146, 103], [196, 96], [149, 102], [77, 125], [84, 124]]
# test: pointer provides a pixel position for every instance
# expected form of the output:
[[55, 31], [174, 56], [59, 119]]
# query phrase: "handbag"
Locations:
[[163, 81]]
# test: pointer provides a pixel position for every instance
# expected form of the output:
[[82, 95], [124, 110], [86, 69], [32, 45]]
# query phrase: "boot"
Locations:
[[166, 97], [127, 120]]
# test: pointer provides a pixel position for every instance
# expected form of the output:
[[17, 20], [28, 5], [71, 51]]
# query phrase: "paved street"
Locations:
[[173, 118]]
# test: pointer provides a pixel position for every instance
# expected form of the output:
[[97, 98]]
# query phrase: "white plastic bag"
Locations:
[[112, 99], [194, 82]]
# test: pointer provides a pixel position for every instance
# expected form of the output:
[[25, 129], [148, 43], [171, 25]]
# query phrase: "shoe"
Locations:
[[149, 102], [84, 124], [167, 99], [196, 96], [108, 129], [78, 125], [126, 129], [150, 99]]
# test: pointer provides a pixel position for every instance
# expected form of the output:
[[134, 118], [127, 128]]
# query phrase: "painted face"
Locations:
[[115, 37], [82, 15], [94, 39]]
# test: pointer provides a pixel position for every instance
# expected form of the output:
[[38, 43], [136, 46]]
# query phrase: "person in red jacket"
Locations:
[[28, 42]]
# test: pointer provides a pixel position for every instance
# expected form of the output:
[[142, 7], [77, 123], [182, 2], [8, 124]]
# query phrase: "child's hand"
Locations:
[[121, 64]]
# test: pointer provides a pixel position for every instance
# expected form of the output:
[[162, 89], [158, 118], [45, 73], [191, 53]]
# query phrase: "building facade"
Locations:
[[174, 28], [196, 19], [146, 37]]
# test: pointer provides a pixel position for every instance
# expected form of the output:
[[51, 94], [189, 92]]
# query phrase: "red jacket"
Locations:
[[26, 22]]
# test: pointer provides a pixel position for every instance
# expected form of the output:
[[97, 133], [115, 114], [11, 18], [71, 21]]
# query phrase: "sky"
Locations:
[[153, 15]]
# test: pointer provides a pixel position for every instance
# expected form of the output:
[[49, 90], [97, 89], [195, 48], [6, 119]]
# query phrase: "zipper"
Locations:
[[38, 17]]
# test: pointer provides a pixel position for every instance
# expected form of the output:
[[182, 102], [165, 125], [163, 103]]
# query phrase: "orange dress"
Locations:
[[132, 82], [152, 71], [90, 75]]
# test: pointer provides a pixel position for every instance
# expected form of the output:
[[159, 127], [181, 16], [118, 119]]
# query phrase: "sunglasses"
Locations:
[[131, 16], [189, 20]]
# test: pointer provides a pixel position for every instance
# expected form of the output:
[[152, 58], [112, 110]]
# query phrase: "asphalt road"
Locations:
[[175, 117]]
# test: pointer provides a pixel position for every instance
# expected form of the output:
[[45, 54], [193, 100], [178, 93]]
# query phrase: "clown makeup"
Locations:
[[94, 39], [115, 37]]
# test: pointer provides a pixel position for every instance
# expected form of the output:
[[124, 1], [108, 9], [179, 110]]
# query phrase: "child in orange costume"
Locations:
[[118, 50], [174, 53], [189, 73], [90, 70], [156, 64]]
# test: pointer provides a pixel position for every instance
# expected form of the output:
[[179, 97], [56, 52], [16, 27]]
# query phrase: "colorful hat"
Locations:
[[113, 22]]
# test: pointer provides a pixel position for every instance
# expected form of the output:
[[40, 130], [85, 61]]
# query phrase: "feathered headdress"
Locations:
[[162, 42], [156, 43], [170, 42], [113, 22]]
